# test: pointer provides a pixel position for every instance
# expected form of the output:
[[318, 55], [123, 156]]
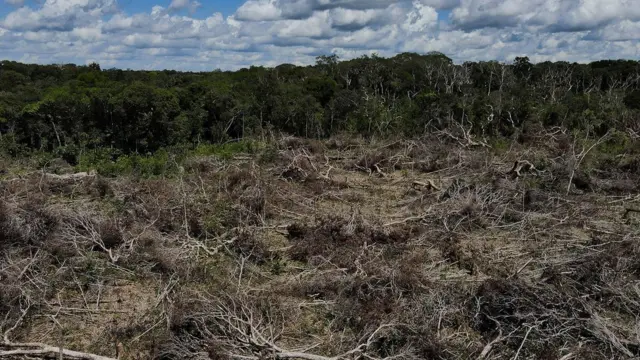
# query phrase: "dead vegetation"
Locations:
[[435, 248]]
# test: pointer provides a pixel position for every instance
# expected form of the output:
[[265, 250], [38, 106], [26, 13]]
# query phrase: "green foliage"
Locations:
[[617, 143], [9, 146], [73, 110], [107, 163], [500, 144], [41, 159], [269, 154], [164, 162]]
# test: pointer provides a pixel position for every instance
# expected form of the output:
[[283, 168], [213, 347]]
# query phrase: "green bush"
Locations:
[[9, 146], [69, 153], [500, 144], [269, 154], [617, 143], [102, 160]]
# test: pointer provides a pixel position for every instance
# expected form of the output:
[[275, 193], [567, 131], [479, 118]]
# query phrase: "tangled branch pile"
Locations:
[[318, 251]]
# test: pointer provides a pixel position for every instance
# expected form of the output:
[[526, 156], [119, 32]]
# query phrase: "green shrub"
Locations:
[[102, 160], [41, 158], [9, 146], [500, 144], [269, 154], [69, 153], [617, 143]]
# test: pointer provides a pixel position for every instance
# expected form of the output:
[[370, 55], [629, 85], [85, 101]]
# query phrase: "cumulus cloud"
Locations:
[[190, 5], [620, 31], [259, 10], [270, 10], [269, 32], [547, 15], [60, 15]]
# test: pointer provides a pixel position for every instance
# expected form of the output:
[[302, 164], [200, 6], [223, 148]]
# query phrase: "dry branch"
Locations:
[[248, 333], [12, 350], [521, 165], [429, 185]]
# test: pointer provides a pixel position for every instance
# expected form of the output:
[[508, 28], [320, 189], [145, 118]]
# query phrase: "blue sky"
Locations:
[[205, 35]]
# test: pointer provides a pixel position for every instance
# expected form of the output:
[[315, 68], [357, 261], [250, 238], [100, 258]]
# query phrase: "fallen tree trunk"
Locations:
[[74, 176], [15, 350]]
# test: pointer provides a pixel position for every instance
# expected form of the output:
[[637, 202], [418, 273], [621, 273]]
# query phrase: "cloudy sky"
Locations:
[[229, 34]]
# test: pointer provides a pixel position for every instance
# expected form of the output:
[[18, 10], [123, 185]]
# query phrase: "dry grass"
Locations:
[[333, 250]]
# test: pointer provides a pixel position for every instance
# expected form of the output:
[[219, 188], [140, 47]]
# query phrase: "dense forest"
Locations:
[[68, 109]]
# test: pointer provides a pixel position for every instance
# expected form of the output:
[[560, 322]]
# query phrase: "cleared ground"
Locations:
[[412, 249]]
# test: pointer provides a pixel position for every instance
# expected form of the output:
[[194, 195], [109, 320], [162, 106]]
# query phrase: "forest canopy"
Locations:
[[69, 108]]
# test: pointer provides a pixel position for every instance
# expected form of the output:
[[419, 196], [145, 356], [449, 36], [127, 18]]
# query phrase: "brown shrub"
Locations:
[[110, 234], [310, 145], [251, 204], [155, 200], [509, 305], [582, 181], [631, 165], [337, 240], [532, 133], [455, 252], [428, 159], [247, 245], [10, 294], [299, 168], [619, 186], [247, 194], [364, 303], [534, 199], [372, 161], [344, 142], [553, 314], [8, 233], [238, 178], [60, 248], [31, 224], [164, 260], [102, 187]]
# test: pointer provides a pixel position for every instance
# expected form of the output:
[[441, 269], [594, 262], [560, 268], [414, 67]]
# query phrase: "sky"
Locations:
[[204, 35]]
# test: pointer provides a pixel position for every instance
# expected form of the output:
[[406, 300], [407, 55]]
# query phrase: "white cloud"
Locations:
[[421, 18], [259, 10], [269, 32], [440, 4], [548, 15], [60, 15], [317, 26], [87, 33], [620, 31], [190, 5]]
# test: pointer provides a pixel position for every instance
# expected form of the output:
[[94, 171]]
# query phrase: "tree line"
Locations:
[[69, 108]]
